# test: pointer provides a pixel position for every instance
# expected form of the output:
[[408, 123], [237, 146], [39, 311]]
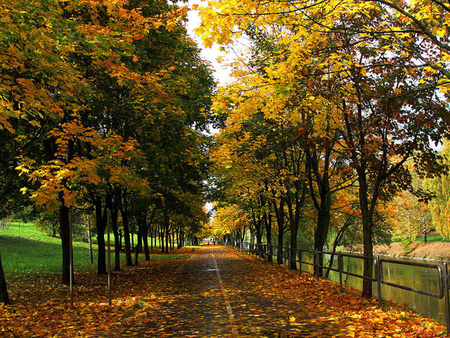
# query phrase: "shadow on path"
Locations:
[[220, 293]]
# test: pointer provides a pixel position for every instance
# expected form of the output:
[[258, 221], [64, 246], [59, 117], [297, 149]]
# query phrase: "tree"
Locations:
[[412, 217], [384, 106], [439, 203], [34, 61], [231, 221]]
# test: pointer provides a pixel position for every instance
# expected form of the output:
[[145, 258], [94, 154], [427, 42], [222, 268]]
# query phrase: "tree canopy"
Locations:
[[104, 105], [361, 87]]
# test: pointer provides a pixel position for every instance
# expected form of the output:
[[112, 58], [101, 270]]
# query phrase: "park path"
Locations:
[[221, 293]]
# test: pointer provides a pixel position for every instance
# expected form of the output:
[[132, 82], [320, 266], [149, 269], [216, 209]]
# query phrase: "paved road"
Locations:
[[218, 293]]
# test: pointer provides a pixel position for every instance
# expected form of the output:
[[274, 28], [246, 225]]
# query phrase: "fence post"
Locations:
[[340, 267], [446, 298], [378, 274]]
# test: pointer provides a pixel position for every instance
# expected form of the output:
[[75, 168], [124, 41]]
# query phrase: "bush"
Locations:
[[406, 245]]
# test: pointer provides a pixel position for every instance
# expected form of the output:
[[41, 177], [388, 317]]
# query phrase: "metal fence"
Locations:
[[265, 251]]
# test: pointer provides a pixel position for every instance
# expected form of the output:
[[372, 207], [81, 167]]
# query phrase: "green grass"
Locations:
[[431, 239], [23, 248]]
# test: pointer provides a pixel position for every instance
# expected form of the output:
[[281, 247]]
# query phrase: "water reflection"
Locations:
[[422, 278]]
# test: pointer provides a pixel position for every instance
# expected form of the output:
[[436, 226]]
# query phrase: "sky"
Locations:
[[209, 54]]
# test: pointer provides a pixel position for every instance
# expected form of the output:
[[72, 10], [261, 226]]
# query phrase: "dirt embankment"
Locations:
[[433, 250]]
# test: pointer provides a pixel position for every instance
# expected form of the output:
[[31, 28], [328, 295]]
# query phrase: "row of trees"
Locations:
[[103, 108], [333, 105]]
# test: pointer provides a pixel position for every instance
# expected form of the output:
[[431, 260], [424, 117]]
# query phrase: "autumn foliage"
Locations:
[[330, 100], [103, 108]]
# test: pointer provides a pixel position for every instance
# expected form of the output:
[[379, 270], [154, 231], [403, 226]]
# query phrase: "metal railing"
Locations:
[[263, 251]]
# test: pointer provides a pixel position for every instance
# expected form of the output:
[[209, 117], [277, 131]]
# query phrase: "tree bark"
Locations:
[[167, 235], [161, 237], [145, 240], [367, 241], [321, 233], [126, 229], [115, 228], [279, 211], [101, 227], [268, 225], [337, 241], [367, 208], [64, 226], [4, 297], [138, 246], [257, 222]]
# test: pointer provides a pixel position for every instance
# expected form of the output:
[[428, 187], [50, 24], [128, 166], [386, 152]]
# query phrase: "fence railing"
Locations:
[[316, 260]]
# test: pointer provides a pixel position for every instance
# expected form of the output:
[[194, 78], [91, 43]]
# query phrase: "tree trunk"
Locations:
[[318, 176], [91, 253], [117, 237], [101, 227], [182, 238], [161, 237], [64, 225], [167, 237], [425, 238], [367, 208], [321, 234], [367, 233], [279, 211], [126, 229], [280, 246], [152, 237], [268, 225], [145, 240], [257, 221], [294, 220], [138, 246], [337, 241], [4, 298]]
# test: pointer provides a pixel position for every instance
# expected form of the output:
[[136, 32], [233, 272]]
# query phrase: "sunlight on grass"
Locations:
[[26, 249]]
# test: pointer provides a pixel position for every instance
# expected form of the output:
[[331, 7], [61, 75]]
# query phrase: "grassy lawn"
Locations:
[[431, 239], [24, 249]]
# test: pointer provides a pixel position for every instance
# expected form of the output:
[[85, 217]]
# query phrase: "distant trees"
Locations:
[[438, 187]]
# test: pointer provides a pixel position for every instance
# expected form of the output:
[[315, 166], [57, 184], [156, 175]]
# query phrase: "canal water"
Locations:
[[421, 278]]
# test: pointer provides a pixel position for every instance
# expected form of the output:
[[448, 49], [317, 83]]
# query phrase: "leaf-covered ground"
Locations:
[[215, 293]]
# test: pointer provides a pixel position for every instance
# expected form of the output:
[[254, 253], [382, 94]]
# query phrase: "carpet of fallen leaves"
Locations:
[[216, 293]]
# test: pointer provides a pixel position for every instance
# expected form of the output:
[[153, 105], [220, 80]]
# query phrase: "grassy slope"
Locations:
[[25, 249]]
